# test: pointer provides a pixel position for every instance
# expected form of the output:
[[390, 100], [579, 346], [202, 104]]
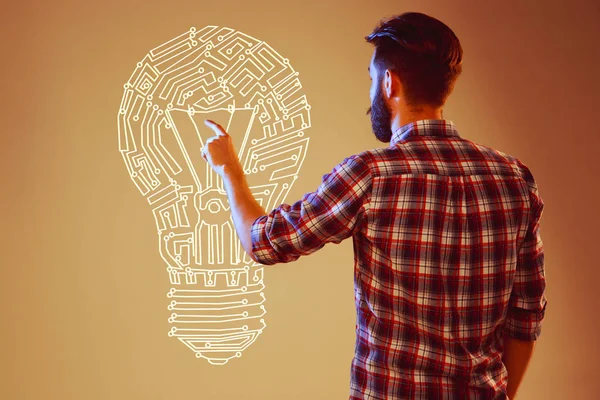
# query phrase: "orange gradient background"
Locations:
[[83, 286]]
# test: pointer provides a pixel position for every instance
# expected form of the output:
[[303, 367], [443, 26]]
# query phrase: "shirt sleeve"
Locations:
[[329, 214], [527, 304]]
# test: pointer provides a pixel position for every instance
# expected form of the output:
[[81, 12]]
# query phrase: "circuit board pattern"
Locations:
[[217, 300]]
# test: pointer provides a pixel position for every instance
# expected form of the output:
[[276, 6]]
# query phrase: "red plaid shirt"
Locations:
[[448, 257]]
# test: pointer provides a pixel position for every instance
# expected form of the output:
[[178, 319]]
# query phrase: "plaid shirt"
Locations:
[[448, 257]]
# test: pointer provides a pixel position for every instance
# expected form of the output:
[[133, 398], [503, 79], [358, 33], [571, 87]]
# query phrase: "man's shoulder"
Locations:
[[493, 154], [490, 151], [376, 156]]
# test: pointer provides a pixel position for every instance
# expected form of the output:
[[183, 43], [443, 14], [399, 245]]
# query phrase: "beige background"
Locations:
[[83, 286]]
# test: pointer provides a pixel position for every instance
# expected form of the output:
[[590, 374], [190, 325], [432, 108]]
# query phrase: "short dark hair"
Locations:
[[423, 51]]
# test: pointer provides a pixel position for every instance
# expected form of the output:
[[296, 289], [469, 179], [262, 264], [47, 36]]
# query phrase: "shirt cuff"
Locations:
[[523, 324], [262, 250]]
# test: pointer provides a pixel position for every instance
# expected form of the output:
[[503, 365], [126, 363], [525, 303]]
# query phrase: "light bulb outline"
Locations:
[[271, 94]]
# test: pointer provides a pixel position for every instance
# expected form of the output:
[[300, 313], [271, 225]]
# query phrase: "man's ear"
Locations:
[[395, 84]]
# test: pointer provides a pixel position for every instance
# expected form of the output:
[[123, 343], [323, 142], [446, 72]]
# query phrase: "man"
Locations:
[[449, 262]]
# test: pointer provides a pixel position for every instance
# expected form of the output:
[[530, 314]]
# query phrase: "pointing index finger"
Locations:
[[215, 127]]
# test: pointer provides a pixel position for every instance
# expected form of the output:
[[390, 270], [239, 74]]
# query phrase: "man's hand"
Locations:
[[218, 151]]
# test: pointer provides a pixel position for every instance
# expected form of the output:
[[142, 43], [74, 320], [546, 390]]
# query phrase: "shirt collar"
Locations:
[[424, 127]]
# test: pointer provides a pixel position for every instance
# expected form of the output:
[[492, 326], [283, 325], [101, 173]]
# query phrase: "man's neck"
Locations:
[[407, 116]]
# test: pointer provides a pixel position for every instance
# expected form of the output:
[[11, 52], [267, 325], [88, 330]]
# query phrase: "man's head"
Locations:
[[414, 67]]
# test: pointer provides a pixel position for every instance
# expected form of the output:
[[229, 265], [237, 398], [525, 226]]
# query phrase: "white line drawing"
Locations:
[[216, 299]]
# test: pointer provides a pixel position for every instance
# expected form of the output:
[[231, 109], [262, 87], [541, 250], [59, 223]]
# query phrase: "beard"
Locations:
[[381, 118]]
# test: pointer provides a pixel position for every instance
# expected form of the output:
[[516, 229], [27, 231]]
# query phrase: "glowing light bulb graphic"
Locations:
[[217, 294]]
